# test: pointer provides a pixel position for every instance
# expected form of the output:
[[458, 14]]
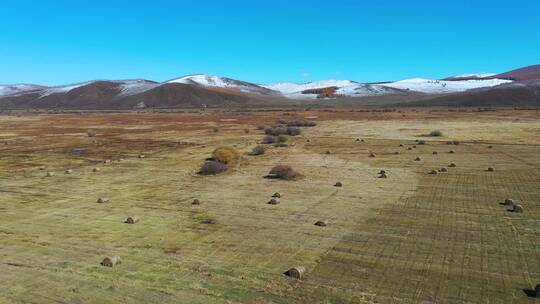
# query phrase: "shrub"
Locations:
[[275, 131], [212, 168], [436, 133], [269, 139], [258, 150], [301, 123], [225, 155], [284, 172], [215, 129], [282, 139], [292, 131]]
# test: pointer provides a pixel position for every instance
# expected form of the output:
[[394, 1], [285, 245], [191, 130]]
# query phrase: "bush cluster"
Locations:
[[284, 172]]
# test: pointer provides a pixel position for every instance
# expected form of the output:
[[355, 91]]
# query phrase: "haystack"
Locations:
[[382, 172], [277, 195], [296, 272], [383, 175], [106, 161], [96, 169], [196, 202], [518, 208], [50, 174], [451, 152], [452, 165], [490, 147], [103, 200], [491, 169], [509, 202], [401, 145], [434, 172], [435, 153], [444, 170], [111, 261], [396, 153], [418, 159], [322, 223], [409, 148], [327, 152], [132, 220], [69, 171], [372, 155], [141, 156], [274, 201], [338, 184]]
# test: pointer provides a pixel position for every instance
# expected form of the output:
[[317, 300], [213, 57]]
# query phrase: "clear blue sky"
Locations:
[[58, 42]]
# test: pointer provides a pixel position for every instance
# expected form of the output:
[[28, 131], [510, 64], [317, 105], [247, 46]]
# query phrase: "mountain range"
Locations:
[[516, 87]]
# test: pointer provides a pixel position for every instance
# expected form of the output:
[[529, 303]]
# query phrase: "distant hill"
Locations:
[[517, 87]]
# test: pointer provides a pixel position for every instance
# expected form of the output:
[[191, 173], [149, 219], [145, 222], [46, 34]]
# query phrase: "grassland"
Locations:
[[410, 238]]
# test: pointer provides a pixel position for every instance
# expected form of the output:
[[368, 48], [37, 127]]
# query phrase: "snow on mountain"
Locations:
[[136, 86], [477, 75], [222, 82], [431, 86], [62, 89], [344, 87], [11, 89]]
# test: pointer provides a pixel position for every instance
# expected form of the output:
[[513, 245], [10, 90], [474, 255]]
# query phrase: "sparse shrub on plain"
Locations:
[[301, 123], [292, 131], [275, 131], [258, 150], [284, 172], [282, 139], [212, 168], [269, 139], [436, 133], [226, 155]]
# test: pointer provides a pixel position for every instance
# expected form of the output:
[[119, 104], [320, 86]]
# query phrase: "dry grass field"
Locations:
[[410, 238]]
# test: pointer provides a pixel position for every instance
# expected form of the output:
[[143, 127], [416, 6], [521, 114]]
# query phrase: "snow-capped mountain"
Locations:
[[222, 82], [342, 87], [431, 86], [12, 89]]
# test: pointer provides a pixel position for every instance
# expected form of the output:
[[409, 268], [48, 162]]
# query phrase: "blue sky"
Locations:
[[58, 42]]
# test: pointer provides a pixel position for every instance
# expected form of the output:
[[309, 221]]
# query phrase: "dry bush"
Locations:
[[225, 155], [301, 123], [282, 139], [284, 172], [212, 168], [292, 131], [275, 131], [436, 133], [269, 139], [258, 150]]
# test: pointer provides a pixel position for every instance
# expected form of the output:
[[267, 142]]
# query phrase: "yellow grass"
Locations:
[[410, 238]]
